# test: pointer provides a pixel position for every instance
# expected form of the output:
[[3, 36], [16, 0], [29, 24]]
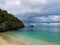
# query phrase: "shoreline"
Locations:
[[7, 40]]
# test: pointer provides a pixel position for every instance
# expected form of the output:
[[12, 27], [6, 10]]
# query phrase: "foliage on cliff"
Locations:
[[9, 21]]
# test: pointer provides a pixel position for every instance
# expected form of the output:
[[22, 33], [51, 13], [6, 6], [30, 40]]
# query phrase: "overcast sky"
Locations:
[[34, 11]]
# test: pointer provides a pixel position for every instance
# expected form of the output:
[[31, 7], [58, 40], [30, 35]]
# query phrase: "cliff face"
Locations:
[[9, 21]]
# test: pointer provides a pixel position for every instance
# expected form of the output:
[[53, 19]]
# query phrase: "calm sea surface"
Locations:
[[37, 35]]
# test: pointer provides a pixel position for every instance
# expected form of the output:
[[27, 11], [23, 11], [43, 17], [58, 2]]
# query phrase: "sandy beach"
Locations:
[[7, 40]]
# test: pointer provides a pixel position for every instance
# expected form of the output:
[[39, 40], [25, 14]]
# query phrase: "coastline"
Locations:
[[7, 40]]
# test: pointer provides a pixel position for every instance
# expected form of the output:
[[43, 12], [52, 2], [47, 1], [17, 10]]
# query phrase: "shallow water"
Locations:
[[37, 35]]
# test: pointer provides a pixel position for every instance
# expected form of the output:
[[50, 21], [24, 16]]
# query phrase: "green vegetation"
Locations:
[[9, 21]]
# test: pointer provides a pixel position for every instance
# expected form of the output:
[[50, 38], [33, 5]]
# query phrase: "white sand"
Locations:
[[6, 40], [3, 42]]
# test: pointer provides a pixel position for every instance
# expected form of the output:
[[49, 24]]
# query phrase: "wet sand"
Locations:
[[7, 40]]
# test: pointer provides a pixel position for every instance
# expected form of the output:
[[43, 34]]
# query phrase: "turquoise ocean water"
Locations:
[[37, 35]]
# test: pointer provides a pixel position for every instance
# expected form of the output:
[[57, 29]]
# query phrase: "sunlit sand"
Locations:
[[7, 40]]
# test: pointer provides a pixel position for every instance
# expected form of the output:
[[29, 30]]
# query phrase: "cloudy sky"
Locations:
[[34, 12]]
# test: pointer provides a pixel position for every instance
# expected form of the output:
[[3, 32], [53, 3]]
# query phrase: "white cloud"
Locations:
[[29, 10], [55, 1], [45, 24], [2, 4], [41, 2], [51, 18], [55, 18], [14, 6], [25, 6], [54, 24], [41, 19], [18, 7], [13, 3]]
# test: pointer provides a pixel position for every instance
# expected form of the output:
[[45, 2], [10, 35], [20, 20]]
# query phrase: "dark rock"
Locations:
[[9, 21], [32, 25]]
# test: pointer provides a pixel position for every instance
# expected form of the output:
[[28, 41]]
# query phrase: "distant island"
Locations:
[[9, 21], [32, 26]]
